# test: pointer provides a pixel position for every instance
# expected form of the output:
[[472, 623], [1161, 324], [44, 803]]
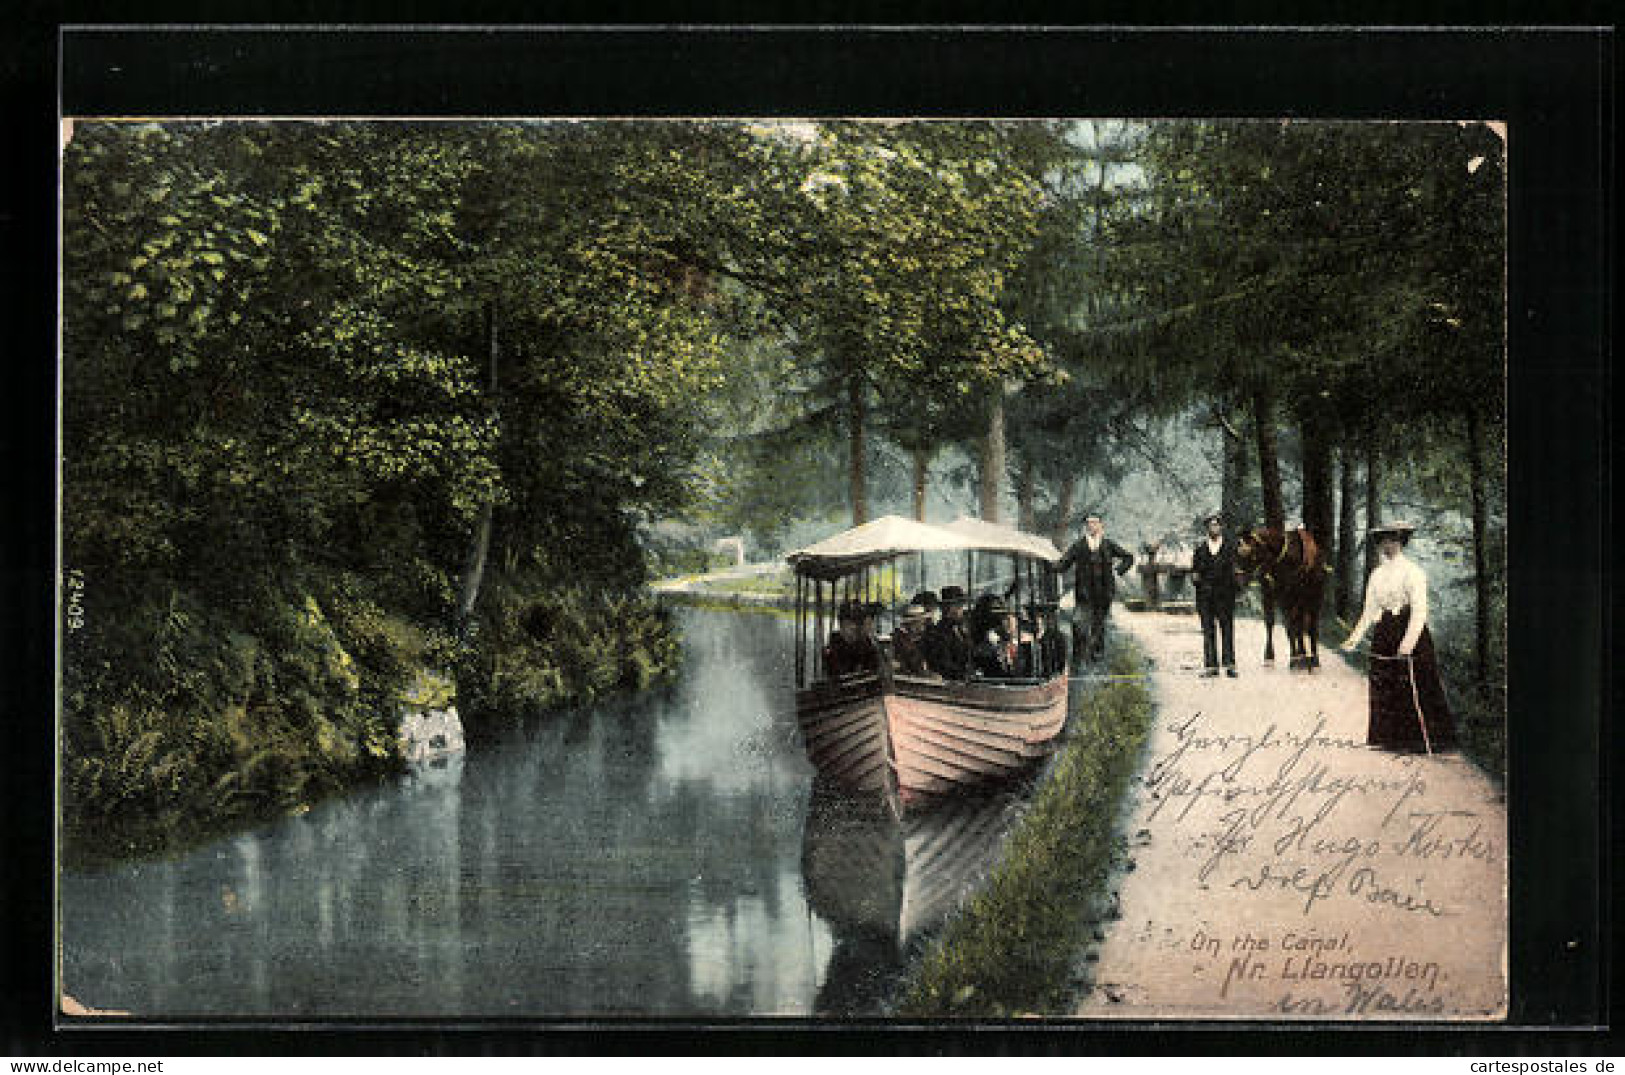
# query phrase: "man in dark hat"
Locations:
[[948, 642], [1094, 555], [1047, 648], [927, 599], [998, 651], [851, 648], [1213, 571], [908, 641]]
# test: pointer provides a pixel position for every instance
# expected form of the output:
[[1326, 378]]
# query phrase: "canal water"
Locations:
[[668, 855]]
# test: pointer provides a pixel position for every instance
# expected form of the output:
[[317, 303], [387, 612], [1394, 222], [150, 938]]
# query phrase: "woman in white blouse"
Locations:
[[1408, 706]]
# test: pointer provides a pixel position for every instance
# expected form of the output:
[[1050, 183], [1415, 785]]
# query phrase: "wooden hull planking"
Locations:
[[918, 737]]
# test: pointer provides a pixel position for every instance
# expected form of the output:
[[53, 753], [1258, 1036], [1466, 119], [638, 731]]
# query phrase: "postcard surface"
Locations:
[[727, 569]]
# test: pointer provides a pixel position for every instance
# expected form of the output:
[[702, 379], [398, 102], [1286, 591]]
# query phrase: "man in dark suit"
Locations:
[[1213, 571], [852, 647], [1094, 555], [998, 653], [948, 641]]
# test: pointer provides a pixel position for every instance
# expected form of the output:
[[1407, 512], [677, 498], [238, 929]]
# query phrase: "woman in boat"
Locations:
[[1408, 707], [852, 647]]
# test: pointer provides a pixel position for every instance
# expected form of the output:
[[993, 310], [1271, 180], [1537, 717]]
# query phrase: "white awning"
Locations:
[[996, 537], [892, 535]]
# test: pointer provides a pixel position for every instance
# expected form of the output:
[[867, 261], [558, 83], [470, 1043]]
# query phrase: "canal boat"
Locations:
[[909, 737]]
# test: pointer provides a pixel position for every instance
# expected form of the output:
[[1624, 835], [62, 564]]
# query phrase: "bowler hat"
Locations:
[[953, 595]]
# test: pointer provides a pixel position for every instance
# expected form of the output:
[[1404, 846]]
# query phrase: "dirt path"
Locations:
[[1282, 869]]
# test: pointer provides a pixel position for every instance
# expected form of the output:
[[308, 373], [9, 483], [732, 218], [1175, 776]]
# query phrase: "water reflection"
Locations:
[[884, 884], [645, 858]]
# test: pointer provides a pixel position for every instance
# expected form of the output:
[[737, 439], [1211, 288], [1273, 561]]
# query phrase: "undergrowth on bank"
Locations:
[[1013, 948], [186, 716]]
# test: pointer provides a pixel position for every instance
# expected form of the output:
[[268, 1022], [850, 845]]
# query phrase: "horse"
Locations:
[[1290, 568]]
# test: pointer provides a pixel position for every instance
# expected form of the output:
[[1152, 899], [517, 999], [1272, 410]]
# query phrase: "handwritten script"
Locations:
[[1305, 826]]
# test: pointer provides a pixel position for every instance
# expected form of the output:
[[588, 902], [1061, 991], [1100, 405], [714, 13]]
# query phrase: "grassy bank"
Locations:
[[1012, 950]]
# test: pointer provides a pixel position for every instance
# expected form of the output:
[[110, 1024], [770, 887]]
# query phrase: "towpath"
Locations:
[[1281, 869], [696, 583]]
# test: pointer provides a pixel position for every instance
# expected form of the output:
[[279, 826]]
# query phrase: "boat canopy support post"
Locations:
[[801, 631]]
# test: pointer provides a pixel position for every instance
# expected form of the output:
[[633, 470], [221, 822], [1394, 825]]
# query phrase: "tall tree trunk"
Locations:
[[1063, 510], [1269, 463], [1319, 513], [1026, 517], [1481, 576], [479, 550], [1233, 474], [1373, 493], [993, 462], [922, 471], [854, 414], [1347, 534]]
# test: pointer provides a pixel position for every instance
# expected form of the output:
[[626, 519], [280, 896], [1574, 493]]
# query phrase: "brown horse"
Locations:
[[1291, 572]]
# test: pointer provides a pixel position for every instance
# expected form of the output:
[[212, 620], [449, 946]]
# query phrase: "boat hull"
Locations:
[[918, 738]]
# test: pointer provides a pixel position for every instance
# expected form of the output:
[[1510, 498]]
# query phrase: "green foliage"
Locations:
[[301, 361], [1012, 950], [541, 648], [224, 721]]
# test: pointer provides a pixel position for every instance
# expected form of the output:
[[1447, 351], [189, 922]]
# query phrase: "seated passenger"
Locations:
[[851, 648], [908, 641], [1047, 643], [948, 642], [927, 599], [982, 617], [998, 652]]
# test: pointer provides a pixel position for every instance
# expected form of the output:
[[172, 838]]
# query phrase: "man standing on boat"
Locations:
[[1213, 571], [1095, 585], [948, 642]]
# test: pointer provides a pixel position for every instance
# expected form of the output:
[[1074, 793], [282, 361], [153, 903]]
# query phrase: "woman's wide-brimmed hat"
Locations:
[[1391, 529], [915, 613]]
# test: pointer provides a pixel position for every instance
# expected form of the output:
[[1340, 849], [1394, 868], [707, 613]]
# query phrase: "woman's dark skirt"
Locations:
[[1404, 694]]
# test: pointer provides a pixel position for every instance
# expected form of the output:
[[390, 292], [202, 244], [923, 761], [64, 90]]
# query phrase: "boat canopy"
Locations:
[[996, 537], [891, 536]]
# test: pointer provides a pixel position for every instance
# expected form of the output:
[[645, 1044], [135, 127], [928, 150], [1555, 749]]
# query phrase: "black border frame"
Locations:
[[1553, 87]]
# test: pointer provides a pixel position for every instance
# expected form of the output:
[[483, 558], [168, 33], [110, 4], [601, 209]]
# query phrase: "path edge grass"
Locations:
[[1015, 947]]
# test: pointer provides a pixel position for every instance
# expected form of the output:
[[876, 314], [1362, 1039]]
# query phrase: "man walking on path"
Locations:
[[1213, 571], [1094, 555]]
